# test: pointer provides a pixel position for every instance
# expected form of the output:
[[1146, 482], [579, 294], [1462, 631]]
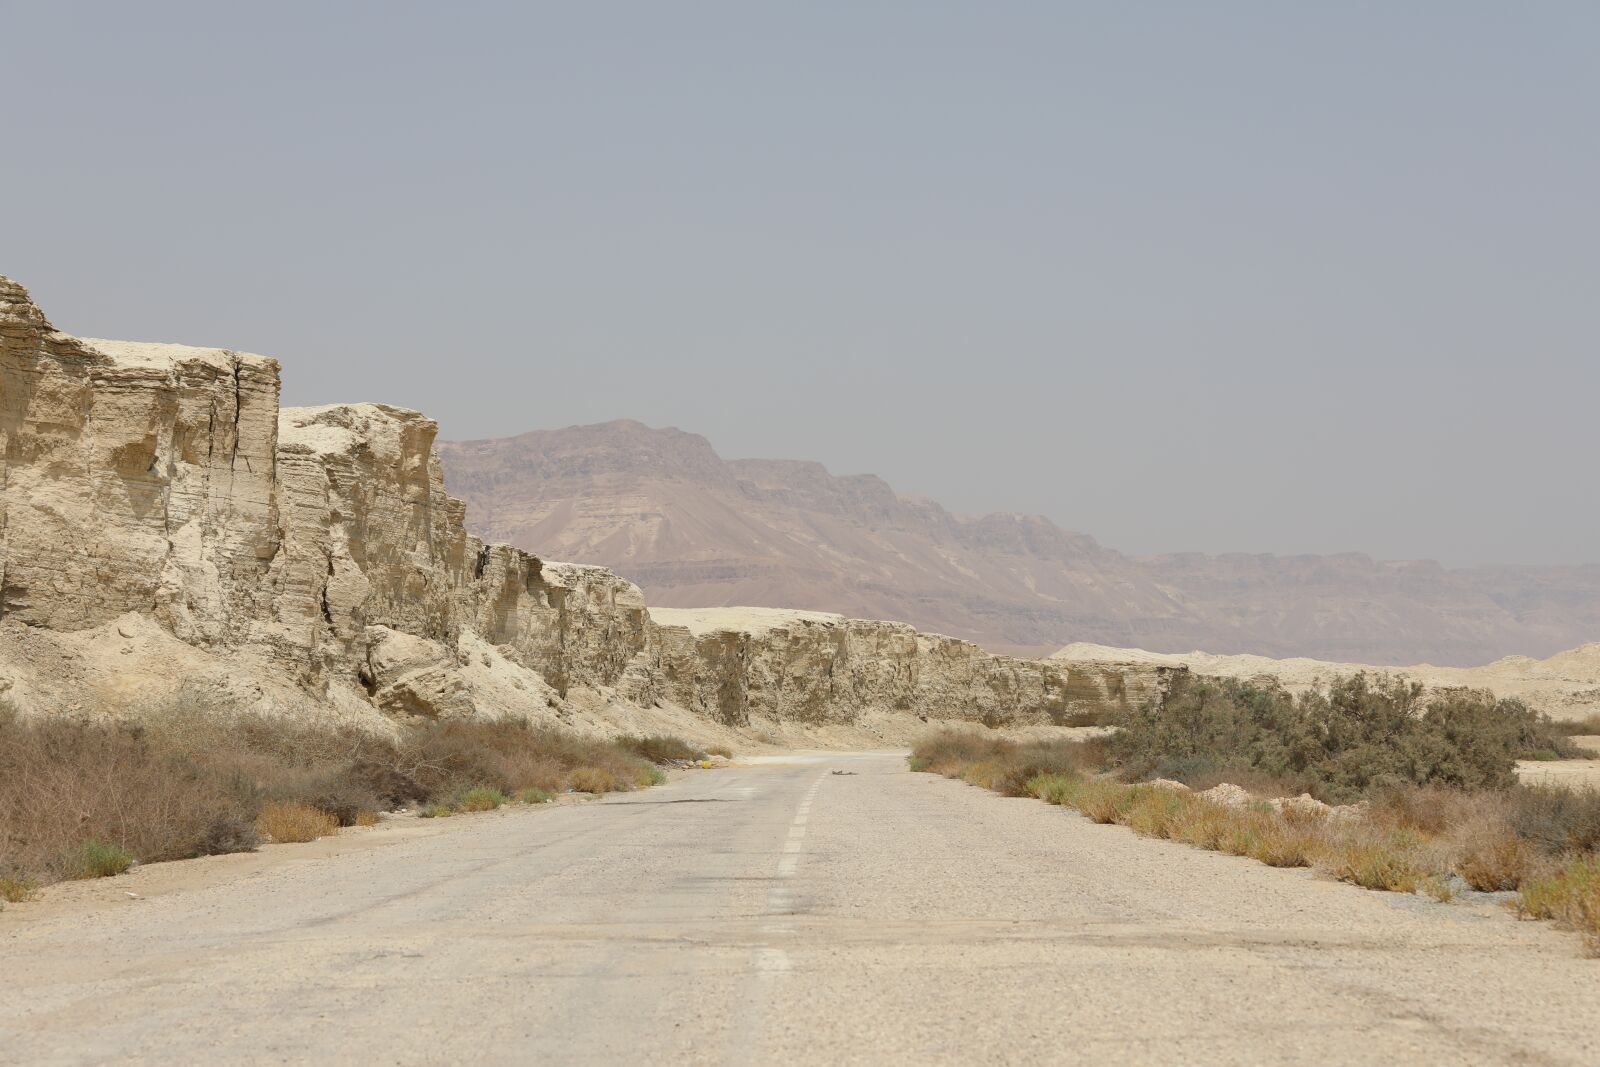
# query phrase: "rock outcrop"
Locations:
[[136, 478], [1564, 686], [155, 502], [811, 667]]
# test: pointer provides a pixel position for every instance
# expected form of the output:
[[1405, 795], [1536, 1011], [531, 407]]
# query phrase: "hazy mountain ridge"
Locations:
[[699, 531]]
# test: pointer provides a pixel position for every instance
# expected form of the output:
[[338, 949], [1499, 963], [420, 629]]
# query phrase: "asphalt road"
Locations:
[[783, 913]]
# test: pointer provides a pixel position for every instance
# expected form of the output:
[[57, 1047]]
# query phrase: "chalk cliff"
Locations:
[[161, 517]]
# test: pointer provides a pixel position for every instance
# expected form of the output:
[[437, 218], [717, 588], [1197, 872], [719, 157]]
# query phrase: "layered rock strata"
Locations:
[[316, 548], [812, 667]]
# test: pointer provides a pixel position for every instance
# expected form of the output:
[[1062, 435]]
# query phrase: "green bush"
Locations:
[[481, 798], [96, 859], [1341, 741]]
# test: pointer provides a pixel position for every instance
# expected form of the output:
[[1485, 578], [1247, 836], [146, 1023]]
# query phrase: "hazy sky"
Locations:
[[1221, 276]]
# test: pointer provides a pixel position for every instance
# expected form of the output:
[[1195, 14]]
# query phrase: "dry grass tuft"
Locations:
[[96, 859], [1397, 861], [481, 798], [661, 748], [1495, 863], [1570, 896], [594, 780], [17, 890], [288, 821]]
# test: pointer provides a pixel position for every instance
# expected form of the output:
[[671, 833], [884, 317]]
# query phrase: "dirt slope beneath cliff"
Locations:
[[785, 914], [1566, 685], [695, 530]]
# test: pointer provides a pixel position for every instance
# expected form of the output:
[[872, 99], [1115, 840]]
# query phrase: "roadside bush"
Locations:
[[661, 748], [188, 778], [1398, 861], [482, 798], [1350, 738], [1589, 725], [286, 821], [15, 890], [1570, 896], [1003, 765], [96, 859], [333, 790], [1556, 820], [594, 780], [65, 783], [1405, 838]]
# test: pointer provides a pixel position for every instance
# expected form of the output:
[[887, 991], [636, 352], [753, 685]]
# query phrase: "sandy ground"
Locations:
[[780, 912]]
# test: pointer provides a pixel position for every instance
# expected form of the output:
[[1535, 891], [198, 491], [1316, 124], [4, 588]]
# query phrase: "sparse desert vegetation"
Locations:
[[1339, 742], [87, 798], [1589, 725], [1424, 798]]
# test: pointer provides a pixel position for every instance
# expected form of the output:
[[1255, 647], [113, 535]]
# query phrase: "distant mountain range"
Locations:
[[696, 530]]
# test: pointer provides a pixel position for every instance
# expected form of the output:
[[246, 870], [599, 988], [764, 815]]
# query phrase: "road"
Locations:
[[785, 913]]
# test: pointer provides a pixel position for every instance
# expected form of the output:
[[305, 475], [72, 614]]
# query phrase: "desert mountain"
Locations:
[[696, 530]]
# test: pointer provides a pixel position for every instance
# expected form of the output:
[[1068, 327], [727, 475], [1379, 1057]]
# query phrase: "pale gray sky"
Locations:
[[1222, 276]]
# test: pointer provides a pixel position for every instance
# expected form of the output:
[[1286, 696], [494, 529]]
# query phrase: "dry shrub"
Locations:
[[1397, 860], [1151, 811], [1102, 801], [1429, 810], [594, 780], [330, 789], [15, 889], [191, 778], [1202, 824], [448, 758], [1056, 788], [1251, 779], [1003, 765], [1570, 896], [983, 774], [1557, 820], [366, 818], [67, 782], [286, 821], [661, 748], [1496, 863], [719, 750], [1586, 726]]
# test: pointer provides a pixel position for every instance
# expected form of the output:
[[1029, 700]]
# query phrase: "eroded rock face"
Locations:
[[136, 478], [316, 549], [816, 668]]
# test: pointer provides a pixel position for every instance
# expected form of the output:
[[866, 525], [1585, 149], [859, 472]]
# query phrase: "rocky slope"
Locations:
[[699, 531], [164, 524], [1564, 686]]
